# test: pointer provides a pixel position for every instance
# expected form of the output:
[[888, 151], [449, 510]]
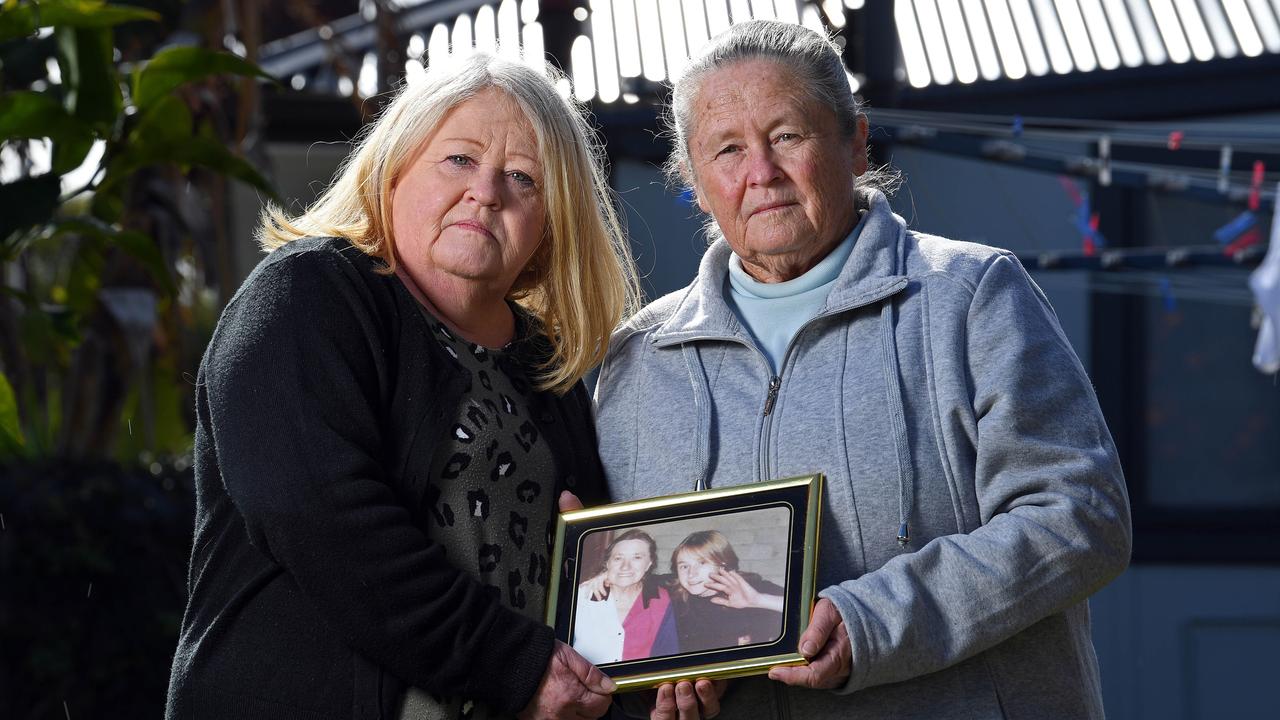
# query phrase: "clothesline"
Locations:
[[1146, 258], [1230, 187]]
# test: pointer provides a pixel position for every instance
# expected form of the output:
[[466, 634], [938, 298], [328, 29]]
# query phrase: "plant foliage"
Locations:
[[105, 275]]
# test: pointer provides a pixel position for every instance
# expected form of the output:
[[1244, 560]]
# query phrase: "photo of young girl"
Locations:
[[716, 604]]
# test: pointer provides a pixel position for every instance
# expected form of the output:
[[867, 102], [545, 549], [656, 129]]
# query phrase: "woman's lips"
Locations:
[[474, 227], [771, 208]]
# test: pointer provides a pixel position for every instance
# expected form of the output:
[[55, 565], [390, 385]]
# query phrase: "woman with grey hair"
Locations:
[[389, 413], [974, 498]]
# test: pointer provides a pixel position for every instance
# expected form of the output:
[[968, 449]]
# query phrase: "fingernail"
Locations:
[[609, 685], [808, 650]]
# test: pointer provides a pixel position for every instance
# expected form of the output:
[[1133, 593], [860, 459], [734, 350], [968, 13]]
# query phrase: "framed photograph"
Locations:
[[710, 584]]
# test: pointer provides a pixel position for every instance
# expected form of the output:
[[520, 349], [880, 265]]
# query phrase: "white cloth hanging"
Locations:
[[1265, 283]]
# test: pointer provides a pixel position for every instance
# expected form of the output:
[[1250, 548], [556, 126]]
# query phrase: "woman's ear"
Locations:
[[860, 146]]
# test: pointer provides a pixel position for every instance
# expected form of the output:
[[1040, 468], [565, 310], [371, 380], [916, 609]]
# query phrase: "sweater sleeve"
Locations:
[[295, 377], [1054, 512]]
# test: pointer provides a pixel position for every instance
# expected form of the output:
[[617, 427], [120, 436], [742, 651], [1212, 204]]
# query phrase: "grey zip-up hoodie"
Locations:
[[974, 497]]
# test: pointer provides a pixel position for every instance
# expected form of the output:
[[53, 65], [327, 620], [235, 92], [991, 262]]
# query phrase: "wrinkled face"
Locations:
[[470, 204], [628, 563], [771, 166], [693, 571]]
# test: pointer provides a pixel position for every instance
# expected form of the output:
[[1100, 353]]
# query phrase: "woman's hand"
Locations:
[[826, 644], [598, 585], [568, 501], [736, 592], [572, 688], [688, 700]]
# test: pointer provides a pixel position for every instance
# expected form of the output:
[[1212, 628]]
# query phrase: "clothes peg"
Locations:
[[1249, 239], [1255, 185], [1104, 161], [1234, 229], [1224, 169]]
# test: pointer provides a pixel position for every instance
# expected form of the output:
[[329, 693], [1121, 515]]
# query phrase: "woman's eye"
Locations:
[[521, 178], [786, 137], [727, 149], [459, 160]]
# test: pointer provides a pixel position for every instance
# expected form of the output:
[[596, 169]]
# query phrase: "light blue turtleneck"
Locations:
[[774, 312]]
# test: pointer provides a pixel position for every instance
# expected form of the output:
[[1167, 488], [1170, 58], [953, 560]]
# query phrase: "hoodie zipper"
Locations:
[[772, 396], [775, 383]]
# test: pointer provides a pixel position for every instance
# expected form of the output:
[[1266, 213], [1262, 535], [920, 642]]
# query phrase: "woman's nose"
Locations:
[[485, 187], [762, 167]]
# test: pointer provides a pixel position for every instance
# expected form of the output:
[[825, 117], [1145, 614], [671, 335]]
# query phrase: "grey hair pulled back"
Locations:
[[812, 58]]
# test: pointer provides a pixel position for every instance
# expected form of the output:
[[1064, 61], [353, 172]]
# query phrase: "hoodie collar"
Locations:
[[873, 271]]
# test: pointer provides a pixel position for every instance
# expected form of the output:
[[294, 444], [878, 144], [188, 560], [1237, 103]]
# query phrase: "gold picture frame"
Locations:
[[756, 544]]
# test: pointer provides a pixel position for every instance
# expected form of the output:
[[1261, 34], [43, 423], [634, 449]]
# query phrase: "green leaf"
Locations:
[[176, 66], [89, 75], [30, 115], [107, 204], [27, 202], [69, 153], [11, 440], [23, 19], [88, 227], [166, 122], [185, 151], [85, 276], [215, 156], [16, 21], [48, 333], [161, 131], [137, 245], [143, 248]]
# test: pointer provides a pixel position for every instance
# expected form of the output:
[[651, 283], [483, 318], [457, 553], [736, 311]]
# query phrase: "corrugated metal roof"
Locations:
[[942, 41]]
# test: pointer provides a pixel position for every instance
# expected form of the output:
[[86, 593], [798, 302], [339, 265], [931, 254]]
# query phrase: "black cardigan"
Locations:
[[315, 589]]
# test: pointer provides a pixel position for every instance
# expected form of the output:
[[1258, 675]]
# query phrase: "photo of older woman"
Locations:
[[716, 604], [974, 498], [625, 612], [390, 411]]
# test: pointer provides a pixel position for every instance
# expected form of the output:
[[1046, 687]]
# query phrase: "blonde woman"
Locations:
[[390, 409]]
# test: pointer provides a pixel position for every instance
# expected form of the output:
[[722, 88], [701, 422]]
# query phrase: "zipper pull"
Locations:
[[772, 397]]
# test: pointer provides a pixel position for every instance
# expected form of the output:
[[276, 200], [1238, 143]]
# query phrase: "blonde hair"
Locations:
[[709, 545], [581, 281], [705, 544]]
